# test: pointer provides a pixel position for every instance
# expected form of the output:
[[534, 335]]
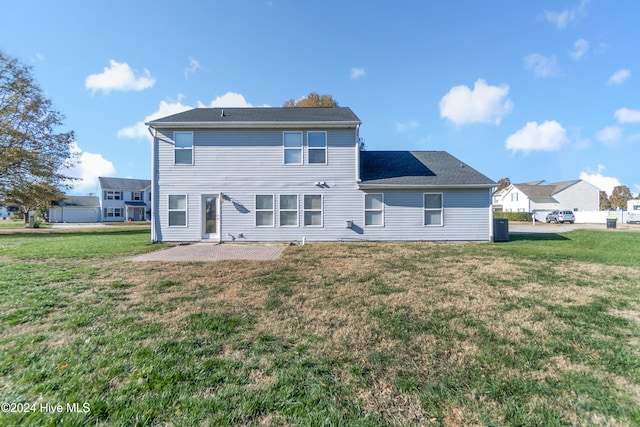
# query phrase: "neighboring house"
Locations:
[[296, 174], [76, 209], [125, 199], [576, 195]]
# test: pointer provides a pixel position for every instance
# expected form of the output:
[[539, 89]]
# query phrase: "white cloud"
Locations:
[[229, 99], [563, 18], [548, 136], [90, 166], [540, 65], [358, 73], [194, 65], [119, 76], [140, 130], [580, 48], [405, 126], [625, 115], [610, 135], [604, 183], [483, 104], [619, 77]]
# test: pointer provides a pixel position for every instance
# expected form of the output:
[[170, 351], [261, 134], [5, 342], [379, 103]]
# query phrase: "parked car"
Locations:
[[561, 216]]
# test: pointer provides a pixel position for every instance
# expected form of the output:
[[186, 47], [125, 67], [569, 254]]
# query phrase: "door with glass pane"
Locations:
[[210, 218]]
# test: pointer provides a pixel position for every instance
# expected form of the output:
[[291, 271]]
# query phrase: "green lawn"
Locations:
[[542, 330]]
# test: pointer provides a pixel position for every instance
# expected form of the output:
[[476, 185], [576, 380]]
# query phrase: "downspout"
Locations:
[[154, 234], [491, 238], [357, 154]]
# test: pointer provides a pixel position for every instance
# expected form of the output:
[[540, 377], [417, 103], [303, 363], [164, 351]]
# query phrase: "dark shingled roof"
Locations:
[[418, 168], [124, 184], [252, 115], [81, 201]]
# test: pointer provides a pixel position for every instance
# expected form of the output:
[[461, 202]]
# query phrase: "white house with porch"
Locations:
[[125, 199]]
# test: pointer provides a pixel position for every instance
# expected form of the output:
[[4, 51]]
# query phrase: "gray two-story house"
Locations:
[[296, 174], [125, 199]]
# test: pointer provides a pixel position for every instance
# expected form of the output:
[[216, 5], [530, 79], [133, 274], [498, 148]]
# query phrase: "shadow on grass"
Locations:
[[519, 236]]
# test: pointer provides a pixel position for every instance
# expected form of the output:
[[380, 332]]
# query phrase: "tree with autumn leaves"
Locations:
[[33, 152], [312, 100]]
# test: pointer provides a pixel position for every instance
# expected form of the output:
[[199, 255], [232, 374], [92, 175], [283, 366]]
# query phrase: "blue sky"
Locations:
[[526, 90]]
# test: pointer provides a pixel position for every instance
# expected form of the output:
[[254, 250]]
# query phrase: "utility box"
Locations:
[[500, 230]]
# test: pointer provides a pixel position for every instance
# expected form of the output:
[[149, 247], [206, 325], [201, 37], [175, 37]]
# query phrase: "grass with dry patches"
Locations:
[[530, 332]]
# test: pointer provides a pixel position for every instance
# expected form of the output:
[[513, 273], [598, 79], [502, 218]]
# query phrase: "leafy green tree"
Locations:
[[312, 100], [605, 204], [619, 196], [33, 153]]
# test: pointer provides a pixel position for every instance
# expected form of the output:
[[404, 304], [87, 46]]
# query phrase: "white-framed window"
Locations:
[[292, 143], [177, 210], [433, 209], [317, 147], [113, 212], [312, 207], [113, 195], [288, 210], [183, 148], [374, 209], [136, 195], [264, 210], [514, 196]]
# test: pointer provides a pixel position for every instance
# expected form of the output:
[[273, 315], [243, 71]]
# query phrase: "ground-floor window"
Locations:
[[313, 210], [178, 210], [113, 212], [432, 209], [264, 210], [288, 210], [374, 209]]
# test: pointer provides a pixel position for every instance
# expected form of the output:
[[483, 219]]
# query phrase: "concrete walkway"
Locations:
[[214, 252]]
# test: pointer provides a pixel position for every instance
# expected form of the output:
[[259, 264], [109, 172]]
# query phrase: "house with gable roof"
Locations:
[[76, 209], [296, 174], [538, 197], [125, 199]]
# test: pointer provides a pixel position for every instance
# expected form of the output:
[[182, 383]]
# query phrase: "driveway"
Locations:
[[214, 252], [543, 227]]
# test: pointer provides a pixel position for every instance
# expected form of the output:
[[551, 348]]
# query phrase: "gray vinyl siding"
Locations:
[[466, 216], [244, 163]]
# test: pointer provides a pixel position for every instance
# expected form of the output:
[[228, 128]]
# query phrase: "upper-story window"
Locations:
[[113, 195], [136, 195], [183, 148], [317, 145], [514, 196], [292, 142]]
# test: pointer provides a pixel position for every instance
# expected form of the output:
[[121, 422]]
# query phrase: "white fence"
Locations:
[[588, 217]]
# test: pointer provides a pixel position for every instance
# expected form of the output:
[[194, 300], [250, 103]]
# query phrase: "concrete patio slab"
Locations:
[[205, 252]]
